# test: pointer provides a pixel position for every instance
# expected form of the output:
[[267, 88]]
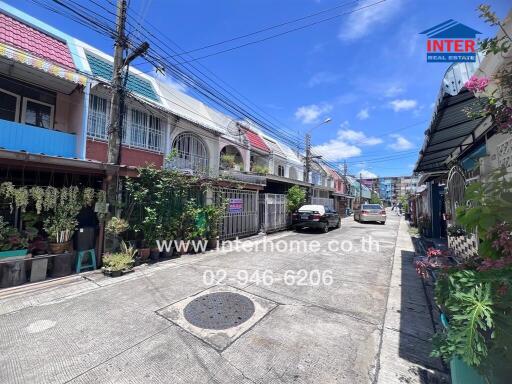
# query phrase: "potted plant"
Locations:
[[114, 228], [116, 264], [214, 213], [12, 242], [456, 230], [260, 169], [60, 227], [227, 161]]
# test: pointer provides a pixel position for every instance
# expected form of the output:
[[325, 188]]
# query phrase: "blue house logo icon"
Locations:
[[452, 42]]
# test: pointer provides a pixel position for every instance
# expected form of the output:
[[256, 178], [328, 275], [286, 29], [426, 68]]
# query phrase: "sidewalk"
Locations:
[[408, 324]]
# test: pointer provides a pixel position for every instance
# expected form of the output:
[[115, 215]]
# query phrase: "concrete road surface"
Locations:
[[309, 329]]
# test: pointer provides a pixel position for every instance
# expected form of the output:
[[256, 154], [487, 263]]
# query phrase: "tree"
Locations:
[[375, 198], [296, 196]]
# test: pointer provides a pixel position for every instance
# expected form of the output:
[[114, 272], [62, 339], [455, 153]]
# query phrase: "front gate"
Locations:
[[273, 212], [241, 216]]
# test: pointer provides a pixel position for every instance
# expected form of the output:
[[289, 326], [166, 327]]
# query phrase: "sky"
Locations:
[[365, 70]]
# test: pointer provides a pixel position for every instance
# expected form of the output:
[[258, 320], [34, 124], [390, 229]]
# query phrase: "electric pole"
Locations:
[[116, 113], [117, 108], [308, 166], [360, 188]]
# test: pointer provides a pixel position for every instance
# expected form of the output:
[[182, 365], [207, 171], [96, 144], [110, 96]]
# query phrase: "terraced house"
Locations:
[[54, 124]]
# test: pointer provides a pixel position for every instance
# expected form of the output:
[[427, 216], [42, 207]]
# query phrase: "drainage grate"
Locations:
[[219, 310]]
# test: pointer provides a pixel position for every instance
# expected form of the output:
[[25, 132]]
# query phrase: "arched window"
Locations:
[[190, 153]]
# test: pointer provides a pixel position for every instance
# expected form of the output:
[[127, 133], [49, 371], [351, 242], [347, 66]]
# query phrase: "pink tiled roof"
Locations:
[[29, 39], [256, 141]]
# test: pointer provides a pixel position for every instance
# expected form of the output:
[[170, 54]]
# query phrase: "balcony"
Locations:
[[189, 163], [27, 138], [243, 177]]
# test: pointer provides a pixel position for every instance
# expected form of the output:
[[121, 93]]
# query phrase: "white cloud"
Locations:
[[363, 114], [336, 149], [400, 143], [363, 20], [310, 113], [403, 104], [357, 137], [170, 81], [320, 78], [393, 90], [346, 144], [366, 174]]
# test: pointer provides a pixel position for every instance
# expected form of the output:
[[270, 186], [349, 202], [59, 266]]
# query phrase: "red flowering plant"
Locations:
[[476, 296], [495, 103], [436, 259]]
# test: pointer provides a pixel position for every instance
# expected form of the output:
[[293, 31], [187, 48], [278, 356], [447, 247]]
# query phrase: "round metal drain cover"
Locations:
[[219, 310]]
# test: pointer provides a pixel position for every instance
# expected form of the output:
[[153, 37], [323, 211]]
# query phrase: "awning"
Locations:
[[449, 128], [41, 64], [421, 188]]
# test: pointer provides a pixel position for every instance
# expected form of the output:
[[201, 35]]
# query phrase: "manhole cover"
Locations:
[[219, 310]]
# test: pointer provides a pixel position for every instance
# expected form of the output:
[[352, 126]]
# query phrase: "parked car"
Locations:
[[370, 212], [316, 216]]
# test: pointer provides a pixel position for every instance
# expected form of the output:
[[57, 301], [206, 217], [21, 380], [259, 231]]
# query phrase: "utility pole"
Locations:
[[308, 166], [360, 188], [117, 108], [116, 113]]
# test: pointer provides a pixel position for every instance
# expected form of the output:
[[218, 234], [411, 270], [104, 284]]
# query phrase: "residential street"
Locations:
[[105, 330]]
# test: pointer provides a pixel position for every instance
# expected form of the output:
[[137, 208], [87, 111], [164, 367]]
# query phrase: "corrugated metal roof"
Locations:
[[26, 38], [192, 109], [274, 147], [448, 130], [291, 156], [134, 83], [256, 141]]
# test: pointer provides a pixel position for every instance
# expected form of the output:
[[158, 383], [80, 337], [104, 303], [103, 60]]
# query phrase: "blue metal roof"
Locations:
[[136, 84]]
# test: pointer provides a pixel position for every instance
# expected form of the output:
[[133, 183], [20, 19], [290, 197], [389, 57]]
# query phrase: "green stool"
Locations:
[[81, 254]]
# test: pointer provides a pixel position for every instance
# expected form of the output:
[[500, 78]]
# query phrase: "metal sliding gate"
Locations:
[[273, 213], [323, 201], [241, 215]]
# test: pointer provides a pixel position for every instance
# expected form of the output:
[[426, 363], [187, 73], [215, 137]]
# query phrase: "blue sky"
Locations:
[[367, 70]]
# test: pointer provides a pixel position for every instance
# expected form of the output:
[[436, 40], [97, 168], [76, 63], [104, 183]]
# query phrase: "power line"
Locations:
[[265, 29], [282, 33]]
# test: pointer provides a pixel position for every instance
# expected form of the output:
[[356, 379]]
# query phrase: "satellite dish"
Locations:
[[234, 128]]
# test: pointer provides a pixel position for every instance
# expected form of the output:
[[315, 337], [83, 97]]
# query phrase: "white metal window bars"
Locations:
[[190, 153], [141, 130], [99, 110]]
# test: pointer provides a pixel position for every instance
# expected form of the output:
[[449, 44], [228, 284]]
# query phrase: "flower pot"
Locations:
[[143, 254], [63, 264], [13, 272], [212, 243], [17, 252], [154, 254], [39, 268], [56, 248]]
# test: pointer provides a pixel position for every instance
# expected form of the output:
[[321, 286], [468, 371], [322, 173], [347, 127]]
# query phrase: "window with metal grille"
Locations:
[[145, 131], [97, 121], [190, 153]]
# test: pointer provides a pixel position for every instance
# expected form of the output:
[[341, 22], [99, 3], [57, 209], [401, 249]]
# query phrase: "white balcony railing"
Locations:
[[189, 163]]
